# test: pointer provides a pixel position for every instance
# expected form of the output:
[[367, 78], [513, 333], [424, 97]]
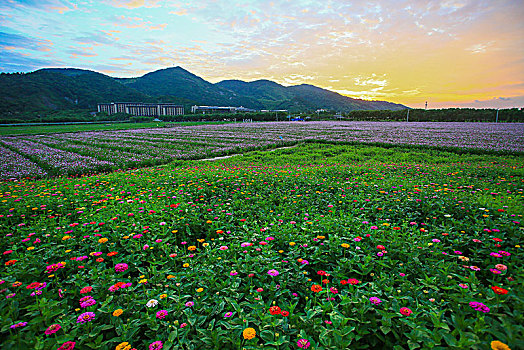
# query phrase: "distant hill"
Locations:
[[181, 83], [69, 88]]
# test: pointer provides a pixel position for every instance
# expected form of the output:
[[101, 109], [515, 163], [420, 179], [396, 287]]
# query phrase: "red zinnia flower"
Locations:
[[316, 288], [353, 281], [321, 273], [275, 310], [33, 285], [405, 311], [285, 313], [499, 290]]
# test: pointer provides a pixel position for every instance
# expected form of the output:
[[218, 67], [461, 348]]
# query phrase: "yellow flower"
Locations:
[[205, 244], [191, 247], [67, 251], [65, 238], [123, 346], [199, 290], [174, 231], [163, 296], [345, 245], [30, 248], [185, 265], [209, 221], [126, 237], [200, 240], [498, 345], [321, 237], [249, 333], [142, 281], [292, 243], [118, 312], [102, 240], [170, 276]]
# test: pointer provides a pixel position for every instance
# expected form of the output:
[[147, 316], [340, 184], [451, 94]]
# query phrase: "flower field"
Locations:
[[316, 247], [88, 152]]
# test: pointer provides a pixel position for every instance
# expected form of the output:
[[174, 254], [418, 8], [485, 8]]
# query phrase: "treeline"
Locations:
[[65, 116], [254, 116], [513, 115]]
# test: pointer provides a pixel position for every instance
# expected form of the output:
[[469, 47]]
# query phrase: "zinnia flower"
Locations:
[[303, 343], [121, 267], [68, 345], [249, 333], [152, 303], [156, 345], [405, 311], [86, 317], [316, 288], [498, 345], [161, 314], [118, 312], [274, 310], [273, 272], [375, 300], [53, 329], [499, 290]]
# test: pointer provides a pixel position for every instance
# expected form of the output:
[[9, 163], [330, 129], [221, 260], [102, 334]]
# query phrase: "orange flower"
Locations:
[[10, 262], [249, 333], [316, 288], [498, 345], [118, 312]]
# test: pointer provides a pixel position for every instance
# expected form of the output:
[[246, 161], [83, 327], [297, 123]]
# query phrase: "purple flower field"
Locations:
[[84, 152]]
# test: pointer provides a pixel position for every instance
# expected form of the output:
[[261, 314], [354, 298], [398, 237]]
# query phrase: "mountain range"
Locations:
[[71, 88]]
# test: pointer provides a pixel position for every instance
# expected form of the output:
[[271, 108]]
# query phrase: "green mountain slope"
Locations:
[[302, 97], [179, 82]]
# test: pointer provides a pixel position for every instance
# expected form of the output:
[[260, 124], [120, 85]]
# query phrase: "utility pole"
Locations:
[[425, 108], [497, 119], [407, 117]]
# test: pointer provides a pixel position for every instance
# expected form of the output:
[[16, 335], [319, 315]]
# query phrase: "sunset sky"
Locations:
[[463, 53]]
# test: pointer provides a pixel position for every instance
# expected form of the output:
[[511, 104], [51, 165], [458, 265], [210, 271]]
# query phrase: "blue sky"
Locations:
[[450, 53]]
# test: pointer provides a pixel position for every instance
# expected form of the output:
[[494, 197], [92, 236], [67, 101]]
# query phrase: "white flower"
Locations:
[[152, 303]]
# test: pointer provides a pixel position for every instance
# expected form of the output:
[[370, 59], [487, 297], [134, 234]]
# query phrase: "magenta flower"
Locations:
[[121, 267], [375, 300], [273, 272], [228, 314], [68, 345], [161, 314], [190, 303], [53, 329], [303, 343], [479, 306], [156, 345], [18, 325], [86, 317]]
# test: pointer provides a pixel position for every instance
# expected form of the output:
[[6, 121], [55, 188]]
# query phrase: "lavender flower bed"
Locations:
[[13, 165], [87, 151]]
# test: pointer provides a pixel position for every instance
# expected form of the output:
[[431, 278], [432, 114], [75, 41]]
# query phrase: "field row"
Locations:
[[88, 152]]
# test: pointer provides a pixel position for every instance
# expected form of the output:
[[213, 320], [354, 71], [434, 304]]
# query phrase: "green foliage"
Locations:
[[435, 213], [510, 115]]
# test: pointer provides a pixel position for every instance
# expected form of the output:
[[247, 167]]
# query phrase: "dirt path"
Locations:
[[242, 154]]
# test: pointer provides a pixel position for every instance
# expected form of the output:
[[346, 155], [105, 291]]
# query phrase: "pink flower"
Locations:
[[224, 247], [183, 325], [501, 267], [375, 300], [190, 303], [121, 267], [273, 272], [353, 281], [405, 311], [303, 343], [495, 271], [156, 345], [161, 314], [53, 329], [68, 345]]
